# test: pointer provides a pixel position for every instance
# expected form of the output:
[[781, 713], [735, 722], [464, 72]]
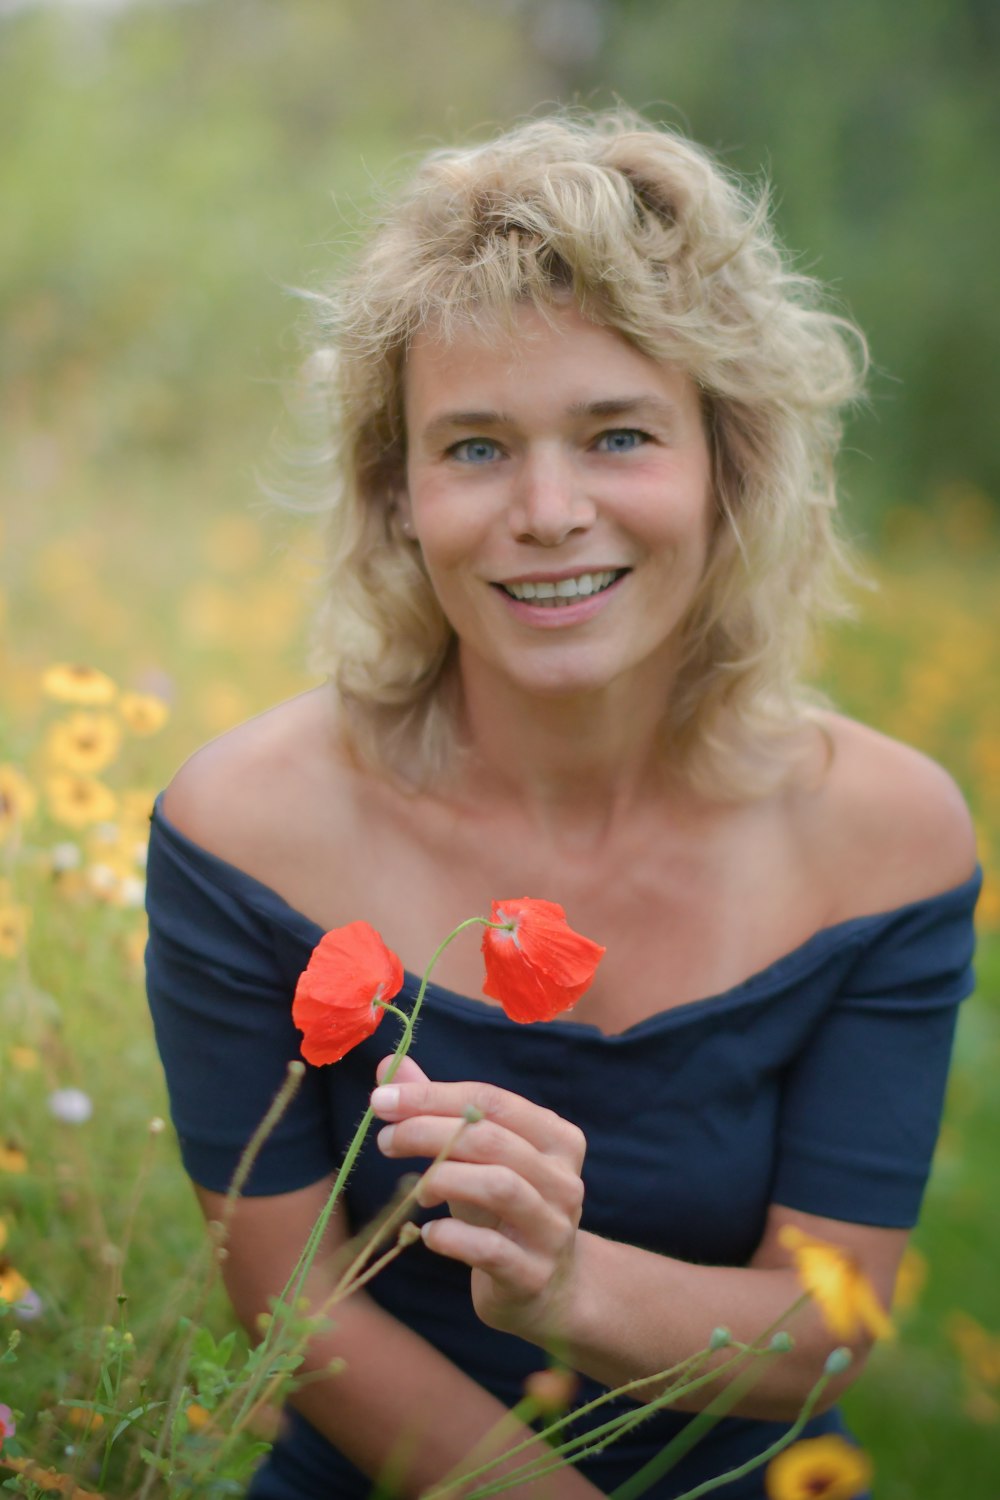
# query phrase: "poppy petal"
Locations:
[[536, 965], [334, 1006]]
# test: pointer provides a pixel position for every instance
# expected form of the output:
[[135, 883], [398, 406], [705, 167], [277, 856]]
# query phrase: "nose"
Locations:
[[550, 501]]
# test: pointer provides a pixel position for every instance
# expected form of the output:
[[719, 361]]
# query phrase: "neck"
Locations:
[[576, 767]]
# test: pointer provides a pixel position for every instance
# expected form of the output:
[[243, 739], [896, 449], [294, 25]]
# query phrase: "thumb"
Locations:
[[407, 1072]]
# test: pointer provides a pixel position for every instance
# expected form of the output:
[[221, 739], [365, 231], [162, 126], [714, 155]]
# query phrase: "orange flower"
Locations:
[[12, 1158], [536, 965], [335, 1005], [834, 1279], [84, 1419], [553, 1390], [12, 1284], [823, 1468], [198, 1416]]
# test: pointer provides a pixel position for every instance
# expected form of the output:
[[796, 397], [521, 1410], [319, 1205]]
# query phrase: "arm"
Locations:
[[399, 1405], [221, 1005], [861, 1107], [515, 1194]]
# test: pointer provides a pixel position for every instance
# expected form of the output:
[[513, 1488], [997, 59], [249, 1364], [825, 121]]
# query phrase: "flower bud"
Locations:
[[838, 1361], [552, 1390], [721, 1338], [781, 1343]]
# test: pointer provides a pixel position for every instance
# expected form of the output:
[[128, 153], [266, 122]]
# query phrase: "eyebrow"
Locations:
[[649, 407]]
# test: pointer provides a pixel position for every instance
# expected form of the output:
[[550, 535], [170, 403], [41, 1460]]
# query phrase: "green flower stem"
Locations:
[[663, 1460], [620, 1425], [346, 1283], [293, 1286], [768, 1453], [280, 1102], [617, 1426], [703, 1420], [608, 1430]]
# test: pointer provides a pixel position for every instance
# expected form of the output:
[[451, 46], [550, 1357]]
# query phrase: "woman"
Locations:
[[585, 419]]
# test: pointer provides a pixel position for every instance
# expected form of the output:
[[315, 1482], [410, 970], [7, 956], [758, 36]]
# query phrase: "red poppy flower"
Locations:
[[536, 965], [334, 1006]]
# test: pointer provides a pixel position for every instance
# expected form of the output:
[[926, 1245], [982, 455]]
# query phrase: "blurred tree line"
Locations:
[[168, 170]]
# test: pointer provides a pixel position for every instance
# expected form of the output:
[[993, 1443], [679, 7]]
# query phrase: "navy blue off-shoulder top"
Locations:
[[816, 1083]]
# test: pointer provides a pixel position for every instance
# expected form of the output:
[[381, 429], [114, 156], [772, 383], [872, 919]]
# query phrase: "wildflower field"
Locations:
[[169, 169], [110, 1315]]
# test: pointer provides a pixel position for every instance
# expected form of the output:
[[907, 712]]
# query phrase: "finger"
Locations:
[[485, 1144], [498, 1195], [540, 1127], [516, 1271], [407, 1072]]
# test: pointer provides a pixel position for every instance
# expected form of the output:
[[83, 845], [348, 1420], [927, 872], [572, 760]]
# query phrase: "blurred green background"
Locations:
[[169, 172], [168, 169]]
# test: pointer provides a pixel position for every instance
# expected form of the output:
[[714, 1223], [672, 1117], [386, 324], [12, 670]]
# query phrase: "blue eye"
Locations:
[[474, 451], [620, 440]]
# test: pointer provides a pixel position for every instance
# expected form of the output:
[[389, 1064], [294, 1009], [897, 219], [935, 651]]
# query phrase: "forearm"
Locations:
[[632, 1313], [402, 1412]]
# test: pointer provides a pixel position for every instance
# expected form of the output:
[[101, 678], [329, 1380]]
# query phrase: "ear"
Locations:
[[404, 514]]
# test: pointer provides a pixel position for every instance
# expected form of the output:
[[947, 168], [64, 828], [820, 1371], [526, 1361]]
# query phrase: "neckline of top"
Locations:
[[786, 964]]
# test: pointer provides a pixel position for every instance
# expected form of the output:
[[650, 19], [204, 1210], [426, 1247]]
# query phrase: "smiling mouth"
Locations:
[[552, 595]]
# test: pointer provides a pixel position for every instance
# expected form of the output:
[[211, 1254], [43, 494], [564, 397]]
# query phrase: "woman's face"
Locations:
[[559, 485]]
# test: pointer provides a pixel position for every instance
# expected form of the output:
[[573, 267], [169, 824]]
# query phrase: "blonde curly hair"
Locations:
[[652, 238]]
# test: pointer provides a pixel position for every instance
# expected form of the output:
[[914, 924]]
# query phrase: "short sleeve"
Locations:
[[220, 998], [862, 1102]]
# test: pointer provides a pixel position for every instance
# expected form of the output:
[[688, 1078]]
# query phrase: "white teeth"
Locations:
[[580, 587]]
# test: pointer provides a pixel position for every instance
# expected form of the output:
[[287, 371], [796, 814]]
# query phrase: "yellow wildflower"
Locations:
[[71, 683], [79, 800], [823, 1468], [85, 742], [834, 1279], [12, 1284], [910, 1280], [981, 1406], [17, 800], [144, 713], [980, 1350], [13, 929], [25, 1059], [137, 805], [134, 947], [12, 1158]]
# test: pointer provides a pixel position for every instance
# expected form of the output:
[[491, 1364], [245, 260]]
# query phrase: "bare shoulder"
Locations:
[[251, 795], [892, 825]]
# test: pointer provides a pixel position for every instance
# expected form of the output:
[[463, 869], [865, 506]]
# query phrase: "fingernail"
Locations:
[[385, 1136], [385, 1099]]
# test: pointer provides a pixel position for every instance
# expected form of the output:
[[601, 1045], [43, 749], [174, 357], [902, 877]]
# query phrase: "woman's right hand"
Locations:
[[512, 1183]]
